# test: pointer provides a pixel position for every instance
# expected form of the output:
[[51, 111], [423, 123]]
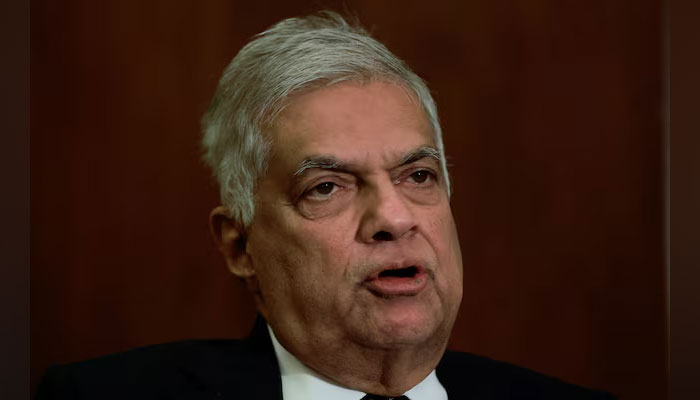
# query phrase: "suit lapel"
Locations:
[[244, 369], [464, 377]]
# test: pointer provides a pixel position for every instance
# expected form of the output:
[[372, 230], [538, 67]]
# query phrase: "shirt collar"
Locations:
[[300, 382]]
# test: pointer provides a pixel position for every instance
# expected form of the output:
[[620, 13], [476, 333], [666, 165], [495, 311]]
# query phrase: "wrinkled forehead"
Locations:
[[270, 114], [351, 121]]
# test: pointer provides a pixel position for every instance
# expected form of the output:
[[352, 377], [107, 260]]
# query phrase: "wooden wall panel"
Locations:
[[551, 112]]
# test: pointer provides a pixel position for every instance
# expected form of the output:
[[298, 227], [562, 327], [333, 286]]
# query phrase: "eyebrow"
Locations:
[[323, 162], [329, 162], [420, 153]]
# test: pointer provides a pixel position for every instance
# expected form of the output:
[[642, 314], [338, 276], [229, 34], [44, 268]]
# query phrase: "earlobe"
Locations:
[[230, 238]]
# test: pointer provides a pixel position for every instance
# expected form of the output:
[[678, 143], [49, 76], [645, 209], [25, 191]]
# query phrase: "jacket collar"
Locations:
[[233, 369], [248, 369]]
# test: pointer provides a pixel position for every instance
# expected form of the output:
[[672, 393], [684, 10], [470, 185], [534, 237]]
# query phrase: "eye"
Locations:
[[322, 190], [421, 176]]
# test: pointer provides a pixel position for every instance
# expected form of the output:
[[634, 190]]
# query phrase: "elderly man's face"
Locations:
[[353, 241]]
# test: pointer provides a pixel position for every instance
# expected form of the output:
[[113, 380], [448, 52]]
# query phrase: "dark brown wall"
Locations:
[[552, 119], [14, 200]]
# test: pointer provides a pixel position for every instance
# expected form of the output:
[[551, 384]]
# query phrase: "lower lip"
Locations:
[[395, 286]]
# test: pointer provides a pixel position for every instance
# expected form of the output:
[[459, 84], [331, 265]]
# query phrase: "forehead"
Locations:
[[375, 121]]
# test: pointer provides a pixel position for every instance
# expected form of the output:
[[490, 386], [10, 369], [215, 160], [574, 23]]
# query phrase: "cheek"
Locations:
[[456, 270], [300, 262], [454, 245], [325, 255], [446, 244]]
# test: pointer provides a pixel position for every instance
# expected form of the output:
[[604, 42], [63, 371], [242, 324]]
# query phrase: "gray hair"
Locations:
[[298, 53]]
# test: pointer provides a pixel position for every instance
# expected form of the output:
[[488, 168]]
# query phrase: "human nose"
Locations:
[[387, 216]]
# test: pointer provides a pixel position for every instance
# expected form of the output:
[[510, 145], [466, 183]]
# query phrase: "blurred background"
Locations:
[[553, 119]]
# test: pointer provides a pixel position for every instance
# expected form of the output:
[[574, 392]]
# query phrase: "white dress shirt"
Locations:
[[300, 382]]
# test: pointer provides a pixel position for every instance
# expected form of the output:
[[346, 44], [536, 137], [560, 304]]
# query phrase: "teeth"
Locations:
[[407, 272]]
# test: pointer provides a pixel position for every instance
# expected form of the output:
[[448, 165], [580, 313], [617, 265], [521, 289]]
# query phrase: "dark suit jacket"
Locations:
[[247, 369]]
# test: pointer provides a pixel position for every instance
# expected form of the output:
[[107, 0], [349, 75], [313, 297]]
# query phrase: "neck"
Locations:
[[382, 371], [387, 373]]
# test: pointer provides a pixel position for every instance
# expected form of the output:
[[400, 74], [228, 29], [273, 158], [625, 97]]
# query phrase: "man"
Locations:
[[336, 214]]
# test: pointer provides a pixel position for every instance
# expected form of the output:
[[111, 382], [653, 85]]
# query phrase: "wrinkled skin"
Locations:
[[323, 233]]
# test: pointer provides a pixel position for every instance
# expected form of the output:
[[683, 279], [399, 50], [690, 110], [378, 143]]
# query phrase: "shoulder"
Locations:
[[466, 375], [182, 368]]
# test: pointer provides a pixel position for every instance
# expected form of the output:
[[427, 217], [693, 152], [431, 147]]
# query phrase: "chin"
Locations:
[[407, 328]]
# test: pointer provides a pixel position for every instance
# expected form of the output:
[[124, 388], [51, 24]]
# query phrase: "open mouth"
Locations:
[[391, 282], [408, 272]]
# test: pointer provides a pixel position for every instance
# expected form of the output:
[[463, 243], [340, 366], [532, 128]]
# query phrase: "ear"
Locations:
[[230, 238]]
